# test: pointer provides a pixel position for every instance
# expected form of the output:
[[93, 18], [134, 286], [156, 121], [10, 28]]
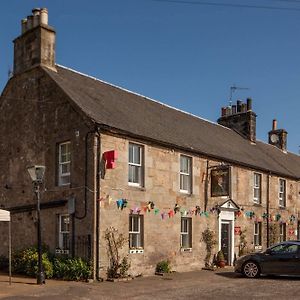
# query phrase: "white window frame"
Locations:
[[257, 234], [282, 192], [257, 187], [187, 175], [62, 233], [187, 231], [61, 163], [137, 166], [282, 232], [138, 232]]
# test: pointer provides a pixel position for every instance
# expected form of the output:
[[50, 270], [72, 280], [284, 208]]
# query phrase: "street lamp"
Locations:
[[37, 175]]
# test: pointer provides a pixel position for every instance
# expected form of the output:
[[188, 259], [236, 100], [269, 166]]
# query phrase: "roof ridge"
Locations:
[[140, 95]]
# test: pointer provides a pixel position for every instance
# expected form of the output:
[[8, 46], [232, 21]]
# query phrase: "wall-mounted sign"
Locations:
[[237, 230], [220, 179]]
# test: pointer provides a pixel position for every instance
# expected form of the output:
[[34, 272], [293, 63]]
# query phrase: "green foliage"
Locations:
[[71, 269], [242, 243], [208, 237], [124, 267], [163, 267], [220, 256], [273, 233], [3, 262], [25, 262], [115, 243]]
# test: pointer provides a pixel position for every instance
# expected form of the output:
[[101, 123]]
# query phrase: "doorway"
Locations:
[[226, 240]]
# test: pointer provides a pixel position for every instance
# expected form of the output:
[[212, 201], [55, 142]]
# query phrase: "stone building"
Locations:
[[156, 174]]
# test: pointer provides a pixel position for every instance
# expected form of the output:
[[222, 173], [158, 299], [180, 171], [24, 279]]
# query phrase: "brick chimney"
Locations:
[[36, 44], [240, 118], [278, 137]]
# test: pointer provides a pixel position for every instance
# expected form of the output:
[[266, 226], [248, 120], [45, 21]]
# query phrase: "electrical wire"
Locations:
[[205, 3]]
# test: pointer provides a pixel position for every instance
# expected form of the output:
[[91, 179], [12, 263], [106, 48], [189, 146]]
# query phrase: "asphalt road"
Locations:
[[192, 285]]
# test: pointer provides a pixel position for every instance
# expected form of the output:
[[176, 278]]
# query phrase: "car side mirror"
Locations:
[[268, 251]]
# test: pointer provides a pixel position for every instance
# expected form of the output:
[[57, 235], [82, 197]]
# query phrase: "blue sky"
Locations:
[[185, 55]]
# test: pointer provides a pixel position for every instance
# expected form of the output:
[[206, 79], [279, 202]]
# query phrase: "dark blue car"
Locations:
[[280, 259]]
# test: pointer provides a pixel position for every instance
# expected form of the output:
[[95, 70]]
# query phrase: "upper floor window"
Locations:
[[257, 188], [257, 234], [282, 193], [64, 163], [136, 231], [135, 165], [186, 233], [185, 174]]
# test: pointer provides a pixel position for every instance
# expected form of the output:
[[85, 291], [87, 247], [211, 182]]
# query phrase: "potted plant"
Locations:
[[220, 259]]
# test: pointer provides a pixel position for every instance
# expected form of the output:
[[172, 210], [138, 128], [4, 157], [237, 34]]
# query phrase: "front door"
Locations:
[[226, 241]]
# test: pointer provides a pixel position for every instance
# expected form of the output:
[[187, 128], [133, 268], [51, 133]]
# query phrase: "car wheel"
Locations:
[[251, 269]]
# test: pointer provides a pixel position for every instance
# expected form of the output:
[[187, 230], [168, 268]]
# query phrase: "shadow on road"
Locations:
[[234, 275], [229, 275]]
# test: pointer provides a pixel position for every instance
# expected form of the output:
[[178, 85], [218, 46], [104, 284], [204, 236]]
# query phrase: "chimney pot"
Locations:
[[24, 25], [44, 16], [36, 17], [249, 104], [239, 106], [29, 22], [233, 109], [274, 125], [244, 107], [223, 111]]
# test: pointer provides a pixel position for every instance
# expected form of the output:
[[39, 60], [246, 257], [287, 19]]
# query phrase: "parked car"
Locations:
[[280, 259]]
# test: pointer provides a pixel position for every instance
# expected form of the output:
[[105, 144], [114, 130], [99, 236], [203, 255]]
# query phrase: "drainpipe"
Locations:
[[206, 187], [95, 209], [268, 210], [98, 208]]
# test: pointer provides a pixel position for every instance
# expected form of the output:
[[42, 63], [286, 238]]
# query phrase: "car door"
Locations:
[[281, 259]]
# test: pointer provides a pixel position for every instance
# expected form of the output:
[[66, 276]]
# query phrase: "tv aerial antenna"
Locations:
[[233, 88]]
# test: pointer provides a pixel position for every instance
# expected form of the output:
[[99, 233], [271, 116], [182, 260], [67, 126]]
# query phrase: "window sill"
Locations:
[[133, 251], [186, 194], [257, 204], [282, 207], [186, 249], [136, 188]]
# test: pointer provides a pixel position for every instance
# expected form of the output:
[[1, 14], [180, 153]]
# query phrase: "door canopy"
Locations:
[[4, 215]]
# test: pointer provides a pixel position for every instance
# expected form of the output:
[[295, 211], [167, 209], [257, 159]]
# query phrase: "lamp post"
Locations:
[[37, 175]]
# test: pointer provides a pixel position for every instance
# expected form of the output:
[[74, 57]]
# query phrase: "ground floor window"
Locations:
[[257, 234], [282, 235], [63, 234], [136, 231], [186, 233]]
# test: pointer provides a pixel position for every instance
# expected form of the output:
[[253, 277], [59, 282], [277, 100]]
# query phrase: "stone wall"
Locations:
[[35, 117], [162, 237]]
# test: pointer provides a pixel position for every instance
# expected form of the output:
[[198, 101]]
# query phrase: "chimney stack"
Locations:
[[36, 44], [278, 137], [240, 118]]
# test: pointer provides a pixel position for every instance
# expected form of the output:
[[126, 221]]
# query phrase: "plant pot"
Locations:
[[221, 263]]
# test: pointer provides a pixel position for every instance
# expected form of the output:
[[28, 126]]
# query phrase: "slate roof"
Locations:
[[142, 117]]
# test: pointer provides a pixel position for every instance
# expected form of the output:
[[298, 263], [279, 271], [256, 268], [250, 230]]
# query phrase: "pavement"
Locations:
[[202, 284]]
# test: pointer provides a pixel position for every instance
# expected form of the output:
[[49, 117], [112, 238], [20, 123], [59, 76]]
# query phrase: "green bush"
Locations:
[[163, 267], [3, 262], [71, 268], [26, 262]]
